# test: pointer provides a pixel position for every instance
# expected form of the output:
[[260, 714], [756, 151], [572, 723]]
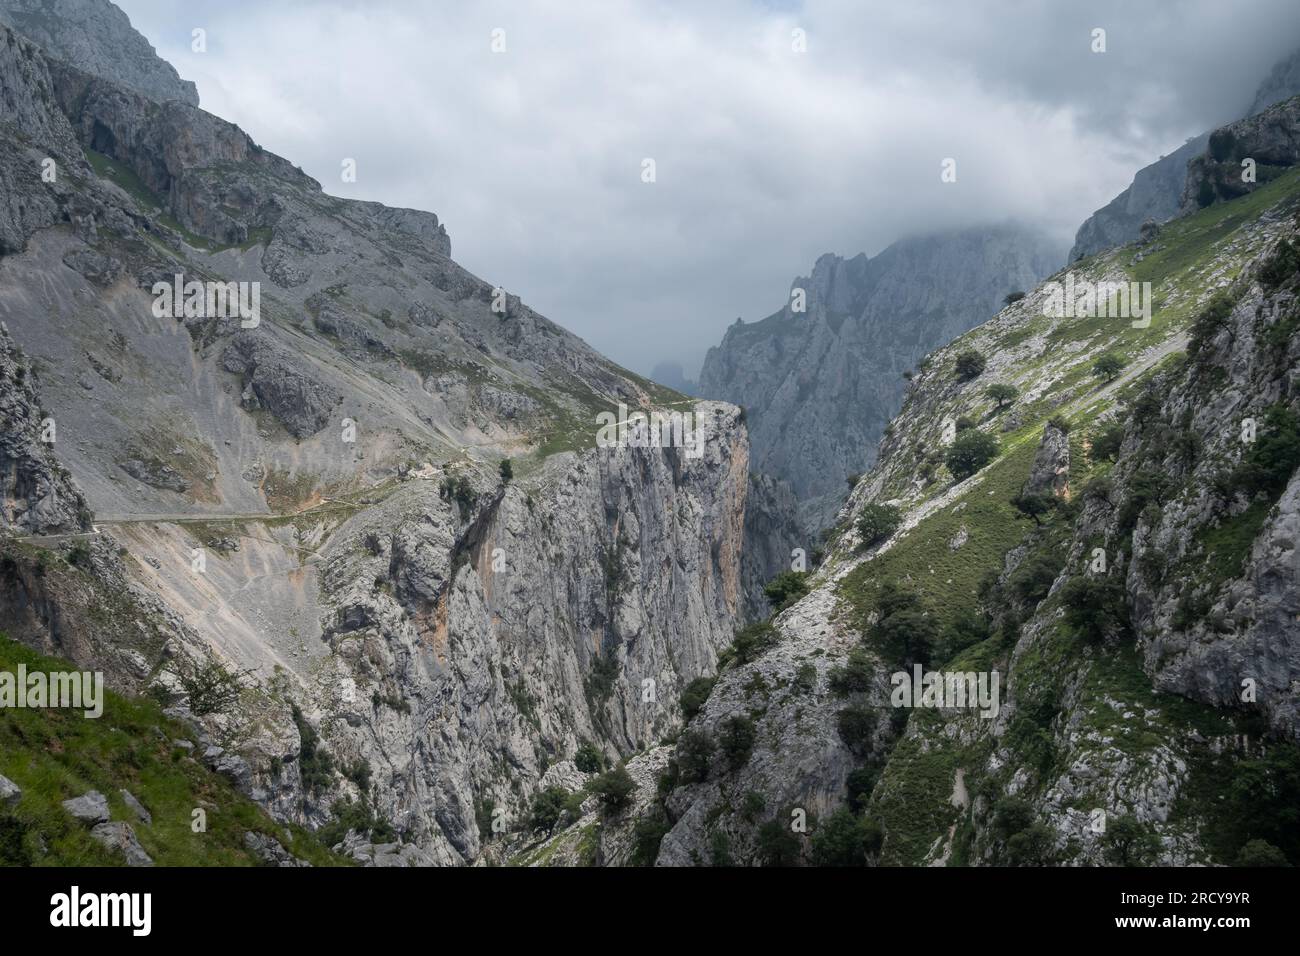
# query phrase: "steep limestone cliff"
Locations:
[[818, 387], [378, 511]]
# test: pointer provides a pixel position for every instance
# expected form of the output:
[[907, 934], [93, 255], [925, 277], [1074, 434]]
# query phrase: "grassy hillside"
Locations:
[[54, 755], [1081, 711]]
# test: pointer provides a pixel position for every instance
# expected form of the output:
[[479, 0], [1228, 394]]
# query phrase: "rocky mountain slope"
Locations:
[[376, 513], [819, 386], [98, 38], [1156, 191], [1122, 556]]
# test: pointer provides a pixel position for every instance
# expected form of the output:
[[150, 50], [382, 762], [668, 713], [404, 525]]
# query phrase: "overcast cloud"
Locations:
[[765, 157]]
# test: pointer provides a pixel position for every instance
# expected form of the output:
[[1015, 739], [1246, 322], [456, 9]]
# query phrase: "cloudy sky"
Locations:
[[765, 156]]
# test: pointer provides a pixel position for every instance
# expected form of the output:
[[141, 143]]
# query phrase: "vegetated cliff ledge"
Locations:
[[410, 620]]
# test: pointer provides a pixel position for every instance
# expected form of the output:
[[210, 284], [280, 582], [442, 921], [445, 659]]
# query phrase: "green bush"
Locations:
[[737, 740], [876, 522], [1106, 441], [1261, 853], [786, 588], [845, 840], [1031, 846], [694, 696], [1029, 583], [210, 686], [1281, 265], [854, 675], [970, 364], [970, 452], [589, 759], [1002, 394], [777, 844], [1107, 367], [548, 809], [647, 835], [860, 783], [1129, 843], [856, 724], [460, 491], [1275, 454], [1033, 506], [615, 788], [315, 765], [1209, 320], [694, 756], [1095, 607], [752, 641]]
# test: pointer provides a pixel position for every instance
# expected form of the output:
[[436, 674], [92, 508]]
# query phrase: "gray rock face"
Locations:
[[89, 808], [1271, 139], [1203, 636], [98, 37], [121, 838], [273, 380], [136, 807], [772, 537], [10, 792], [1050, 472], [819, 387], [398, 855], [1153, 194], [799, 759], [1157, 191], [270, 852], [469, 652], [39, 496]]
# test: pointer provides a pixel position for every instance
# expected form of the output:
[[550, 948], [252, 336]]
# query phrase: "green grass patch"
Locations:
[[56, 754]]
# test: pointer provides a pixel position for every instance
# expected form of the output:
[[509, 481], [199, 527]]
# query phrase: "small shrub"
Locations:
[[589, 759], [785, 589], [877, 522], [970, 452], [1106, 441], [694, 756], [1002, 394], [1107, 367], [856, 725], [752, 641], [737, 740], [548, 809], [970, 364], [615, 788], [694, 696], [777, 844]]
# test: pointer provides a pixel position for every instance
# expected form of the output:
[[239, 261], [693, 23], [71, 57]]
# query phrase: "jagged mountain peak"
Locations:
[[819, 386]]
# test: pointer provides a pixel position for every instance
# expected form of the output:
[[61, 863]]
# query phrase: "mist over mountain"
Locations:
[[819, 386], [1155, 191]]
